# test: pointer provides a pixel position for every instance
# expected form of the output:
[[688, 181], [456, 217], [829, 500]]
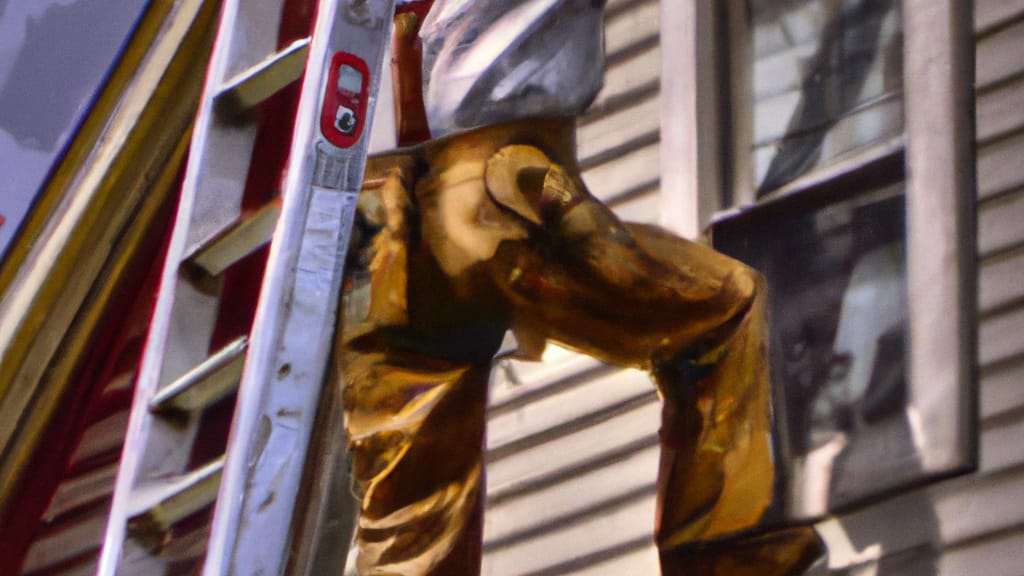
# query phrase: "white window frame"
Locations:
[[938, 151]]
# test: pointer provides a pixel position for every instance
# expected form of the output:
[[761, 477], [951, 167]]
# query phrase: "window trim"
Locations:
[[938, 151], [938, 66], [691, 119]]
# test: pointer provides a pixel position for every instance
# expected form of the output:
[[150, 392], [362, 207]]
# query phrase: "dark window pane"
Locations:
[[837, 299]]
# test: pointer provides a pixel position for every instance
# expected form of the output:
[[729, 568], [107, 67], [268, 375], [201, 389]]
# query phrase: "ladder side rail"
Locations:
[[291, 339], [151, 367], [192, 329]]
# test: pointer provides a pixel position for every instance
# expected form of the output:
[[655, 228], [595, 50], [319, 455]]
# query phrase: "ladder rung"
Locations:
[[263, 80], [158, 506], [208, 382], [237, 242]]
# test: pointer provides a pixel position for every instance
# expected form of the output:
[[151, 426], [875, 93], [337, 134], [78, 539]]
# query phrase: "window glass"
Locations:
[[825, 83], [838, 301], [54, 57]]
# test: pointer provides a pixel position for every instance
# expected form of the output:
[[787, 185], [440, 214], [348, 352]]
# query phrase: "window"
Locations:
[[827, 143]]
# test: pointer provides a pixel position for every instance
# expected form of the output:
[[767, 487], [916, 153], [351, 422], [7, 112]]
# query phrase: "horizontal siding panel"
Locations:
[[623, 176], [516, 382], [1000, 555], [639, 24], [1001, 444], [999, 337], [624, 128], [952, 512], [84, 489], [103, 437], [641, 562], [989, 14], [615, 7], [586, 447], [630, 79], [643, 208], [1001, 280], [589, 397], [120, 384], [536, 512], [998, 58], [999, 166], [68, 540], [555, 357], [546, 556], [1000, 112], [1002, 389], [999, 223], [973, 506]]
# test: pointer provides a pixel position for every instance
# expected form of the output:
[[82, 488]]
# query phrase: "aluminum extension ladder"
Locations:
[[279, 368]]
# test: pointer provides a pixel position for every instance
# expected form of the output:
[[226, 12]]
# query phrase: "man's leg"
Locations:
[[637, 296], [782, 551], [534, 243], [416, 432], [414, 393]]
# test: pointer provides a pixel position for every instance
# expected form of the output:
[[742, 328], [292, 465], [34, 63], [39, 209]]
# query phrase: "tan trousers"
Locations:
[[465, 237]]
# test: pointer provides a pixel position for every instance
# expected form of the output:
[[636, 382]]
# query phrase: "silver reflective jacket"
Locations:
[[490, 61]]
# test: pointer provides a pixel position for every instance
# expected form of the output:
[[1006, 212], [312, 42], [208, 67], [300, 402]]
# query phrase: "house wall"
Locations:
[[572, 444]]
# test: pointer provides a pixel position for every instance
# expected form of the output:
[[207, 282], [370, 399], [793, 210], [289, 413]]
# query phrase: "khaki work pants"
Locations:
[[463, 238]]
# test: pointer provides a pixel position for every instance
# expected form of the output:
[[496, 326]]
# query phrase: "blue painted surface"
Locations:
[[55, 56]]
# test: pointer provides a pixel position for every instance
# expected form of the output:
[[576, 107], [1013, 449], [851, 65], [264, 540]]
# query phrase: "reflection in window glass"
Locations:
[[825, 82], [54, 57], [837, 299]]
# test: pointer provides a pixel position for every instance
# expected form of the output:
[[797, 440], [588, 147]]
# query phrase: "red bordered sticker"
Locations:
[[344, 110]]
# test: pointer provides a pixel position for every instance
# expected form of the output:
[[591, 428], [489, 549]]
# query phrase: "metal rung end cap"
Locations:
[[205, 384], [253, 86], [156, 507]]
